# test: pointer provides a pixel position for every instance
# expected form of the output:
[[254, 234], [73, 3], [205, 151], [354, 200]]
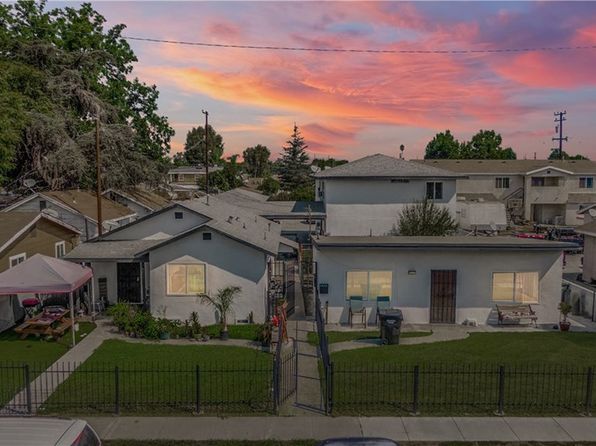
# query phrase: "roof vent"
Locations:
[[230, 219]]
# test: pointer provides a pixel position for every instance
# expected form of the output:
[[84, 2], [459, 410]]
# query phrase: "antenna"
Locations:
[[401, 151]]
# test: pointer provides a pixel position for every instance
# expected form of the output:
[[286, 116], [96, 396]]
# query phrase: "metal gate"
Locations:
[[285, 371], [442, 296]]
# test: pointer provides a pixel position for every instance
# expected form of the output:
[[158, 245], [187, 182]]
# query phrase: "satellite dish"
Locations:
[[29, 182], [592, 212], [51, 212]]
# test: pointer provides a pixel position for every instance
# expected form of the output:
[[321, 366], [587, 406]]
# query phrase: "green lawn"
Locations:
[[545, 373], [158, 378], [240, 331], [342, 336]]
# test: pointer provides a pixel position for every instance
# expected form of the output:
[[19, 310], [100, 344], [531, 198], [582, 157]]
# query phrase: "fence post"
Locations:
[[501, 402], [589, 389], [27, 377], [275, 385], [116, 390], [330, 390], [416, 394], [198, 389]]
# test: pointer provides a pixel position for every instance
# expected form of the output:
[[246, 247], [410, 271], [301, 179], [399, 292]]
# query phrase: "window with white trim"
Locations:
[[516, 287], [368, 284], [185, 279], [434, 190], [586, 182], [16, 259], [502, 183], [59, 249]]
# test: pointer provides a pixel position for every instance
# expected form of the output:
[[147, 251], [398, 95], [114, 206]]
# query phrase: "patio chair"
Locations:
[[383, 303], [357, 308]]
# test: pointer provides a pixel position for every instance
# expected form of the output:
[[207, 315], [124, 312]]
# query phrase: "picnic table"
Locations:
[[51, 322]]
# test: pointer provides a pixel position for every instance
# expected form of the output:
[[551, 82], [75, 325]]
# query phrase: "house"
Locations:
[[365, 197], [166, 259], [187, 178], [541, 191], [76, 208], [297, 218], [23, 234], [439, 279], [588, 230], [480, 211], [139, 200]]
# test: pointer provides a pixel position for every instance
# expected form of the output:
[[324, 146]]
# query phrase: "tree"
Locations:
[[269, 186], [179, 160], [486, 144], [324, 163], [294, 168], [194, 147], [443, 146], [423, 219], [554, 155], [256, 160], [222, 302]]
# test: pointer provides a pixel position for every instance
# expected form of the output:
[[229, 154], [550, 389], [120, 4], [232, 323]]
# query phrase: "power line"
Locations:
[[365, 50]]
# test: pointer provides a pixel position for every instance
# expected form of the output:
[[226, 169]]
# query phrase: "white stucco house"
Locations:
[[166, 259], [439, 279], [366, 196]]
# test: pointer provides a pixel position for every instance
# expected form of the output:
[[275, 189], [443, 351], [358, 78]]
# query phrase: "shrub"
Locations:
[[122, 314]]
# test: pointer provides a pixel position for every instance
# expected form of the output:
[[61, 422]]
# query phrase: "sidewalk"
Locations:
[[319, 428]]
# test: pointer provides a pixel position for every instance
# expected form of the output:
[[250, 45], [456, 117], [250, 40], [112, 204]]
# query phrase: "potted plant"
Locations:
[[195, 325], [205, 334], [565, 309], [164, 328], [222, 302], [265, 334]]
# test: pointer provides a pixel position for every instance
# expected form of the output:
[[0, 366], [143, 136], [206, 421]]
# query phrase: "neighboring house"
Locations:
[[76, 208], [166, 259], [542, 191], [588, 230], [24, 234], [479, 211], [187, 178], [297, 218], [366, 196], [440, 279], [138, 200]]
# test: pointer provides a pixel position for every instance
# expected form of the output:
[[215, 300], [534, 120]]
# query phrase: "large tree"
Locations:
[[425, 218], [554, 155], [294, 168], [59, 70], [194, 147], [256, 160], [486, 144], [443, 146]]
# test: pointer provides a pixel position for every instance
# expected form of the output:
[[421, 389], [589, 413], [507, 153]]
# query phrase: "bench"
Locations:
[[516, 313]]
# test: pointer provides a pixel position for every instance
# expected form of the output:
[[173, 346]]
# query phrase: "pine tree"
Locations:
[[294, 168]]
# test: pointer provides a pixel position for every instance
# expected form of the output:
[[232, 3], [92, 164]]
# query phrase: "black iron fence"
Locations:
[[140, 387], [327, 387], [440, 389], [285, 371]]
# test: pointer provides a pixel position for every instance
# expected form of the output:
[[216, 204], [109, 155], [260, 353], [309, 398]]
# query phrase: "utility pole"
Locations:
[[206, 113], [559, 118], [98, 182]]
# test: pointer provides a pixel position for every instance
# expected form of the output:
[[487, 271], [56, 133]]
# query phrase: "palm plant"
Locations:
[[222, 302]]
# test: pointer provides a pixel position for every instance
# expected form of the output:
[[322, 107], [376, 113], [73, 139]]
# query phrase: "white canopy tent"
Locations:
[[46, 275]]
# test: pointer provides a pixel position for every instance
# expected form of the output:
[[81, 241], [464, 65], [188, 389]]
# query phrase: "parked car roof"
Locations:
[[37, 431]]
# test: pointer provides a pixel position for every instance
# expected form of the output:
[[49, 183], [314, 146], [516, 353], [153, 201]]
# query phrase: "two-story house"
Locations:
[[541, 191], [366, 196]]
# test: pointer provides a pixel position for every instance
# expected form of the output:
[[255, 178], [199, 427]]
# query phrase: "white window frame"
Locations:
[[585, 181], [169, 293], [20, 257], [514, 300], [57, 245], [502, 182], [366, 297], [434, 190]]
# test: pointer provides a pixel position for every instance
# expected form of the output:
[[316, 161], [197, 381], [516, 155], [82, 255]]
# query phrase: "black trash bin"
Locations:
[[390, 320]]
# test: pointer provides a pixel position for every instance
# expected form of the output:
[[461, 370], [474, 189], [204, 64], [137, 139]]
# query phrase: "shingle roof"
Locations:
[[383, 166], [192, 169], [110, 249], [257, 203], [519, 167], [86, 203], [478, 197], [452, 242], [152, 200]]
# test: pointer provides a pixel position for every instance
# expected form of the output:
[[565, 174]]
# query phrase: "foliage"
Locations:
[[195, 325], [565, 308], [486, 144], [324, 163], [425, 218], [554, 155], [269, 186], [256, 160], [294, 168], [121, 314], [265, 333], [222, 302], [194, 147], [59, 70]]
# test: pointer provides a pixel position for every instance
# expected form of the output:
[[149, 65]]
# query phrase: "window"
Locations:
[[206, 236], [15, 260], [185, 280], [60, 249], [43, 204], [515, 287], [502, 182], [586, 182], [545, 181], [368, 284], [434, 191], [178, 215]]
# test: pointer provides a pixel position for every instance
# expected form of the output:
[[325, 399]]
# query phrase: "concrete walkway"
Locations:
[[319, 428]]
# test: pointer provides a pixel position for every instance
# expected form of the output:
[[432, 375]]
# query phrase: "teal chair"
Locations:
[[357, 308], [383, 303]]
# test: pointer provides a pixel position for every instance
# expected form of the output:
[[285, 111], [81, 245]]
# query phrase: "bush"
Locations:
[[269, 186], [122, 314]]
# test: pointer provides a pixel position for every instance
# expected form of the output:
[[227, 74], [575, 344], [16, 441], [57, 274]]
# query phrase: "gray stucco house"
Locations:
[[439, 279], [166, 259]]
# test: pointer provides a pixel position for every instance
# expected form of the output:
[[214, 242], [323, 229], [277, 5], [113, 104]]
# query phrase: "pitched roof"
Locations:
[[257, 203], [85, 202], [519, 167], [451, 242], [193, 169], [383, 166], [150, 200], [110, 249]]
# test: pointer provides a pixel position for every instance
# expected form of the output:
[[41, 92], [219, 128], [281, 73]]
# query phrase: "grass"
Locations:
[[343, 336], [545, 373], [238, 331], [161, 379]]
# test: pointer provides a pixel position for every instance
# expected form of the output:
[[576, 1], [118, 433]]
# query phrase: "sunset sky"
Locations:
[[350, 105]]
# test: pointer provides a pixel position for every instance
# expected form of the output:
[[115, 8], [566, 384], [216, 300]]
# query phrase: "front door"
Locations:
[[443, 284], [129, 283]]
